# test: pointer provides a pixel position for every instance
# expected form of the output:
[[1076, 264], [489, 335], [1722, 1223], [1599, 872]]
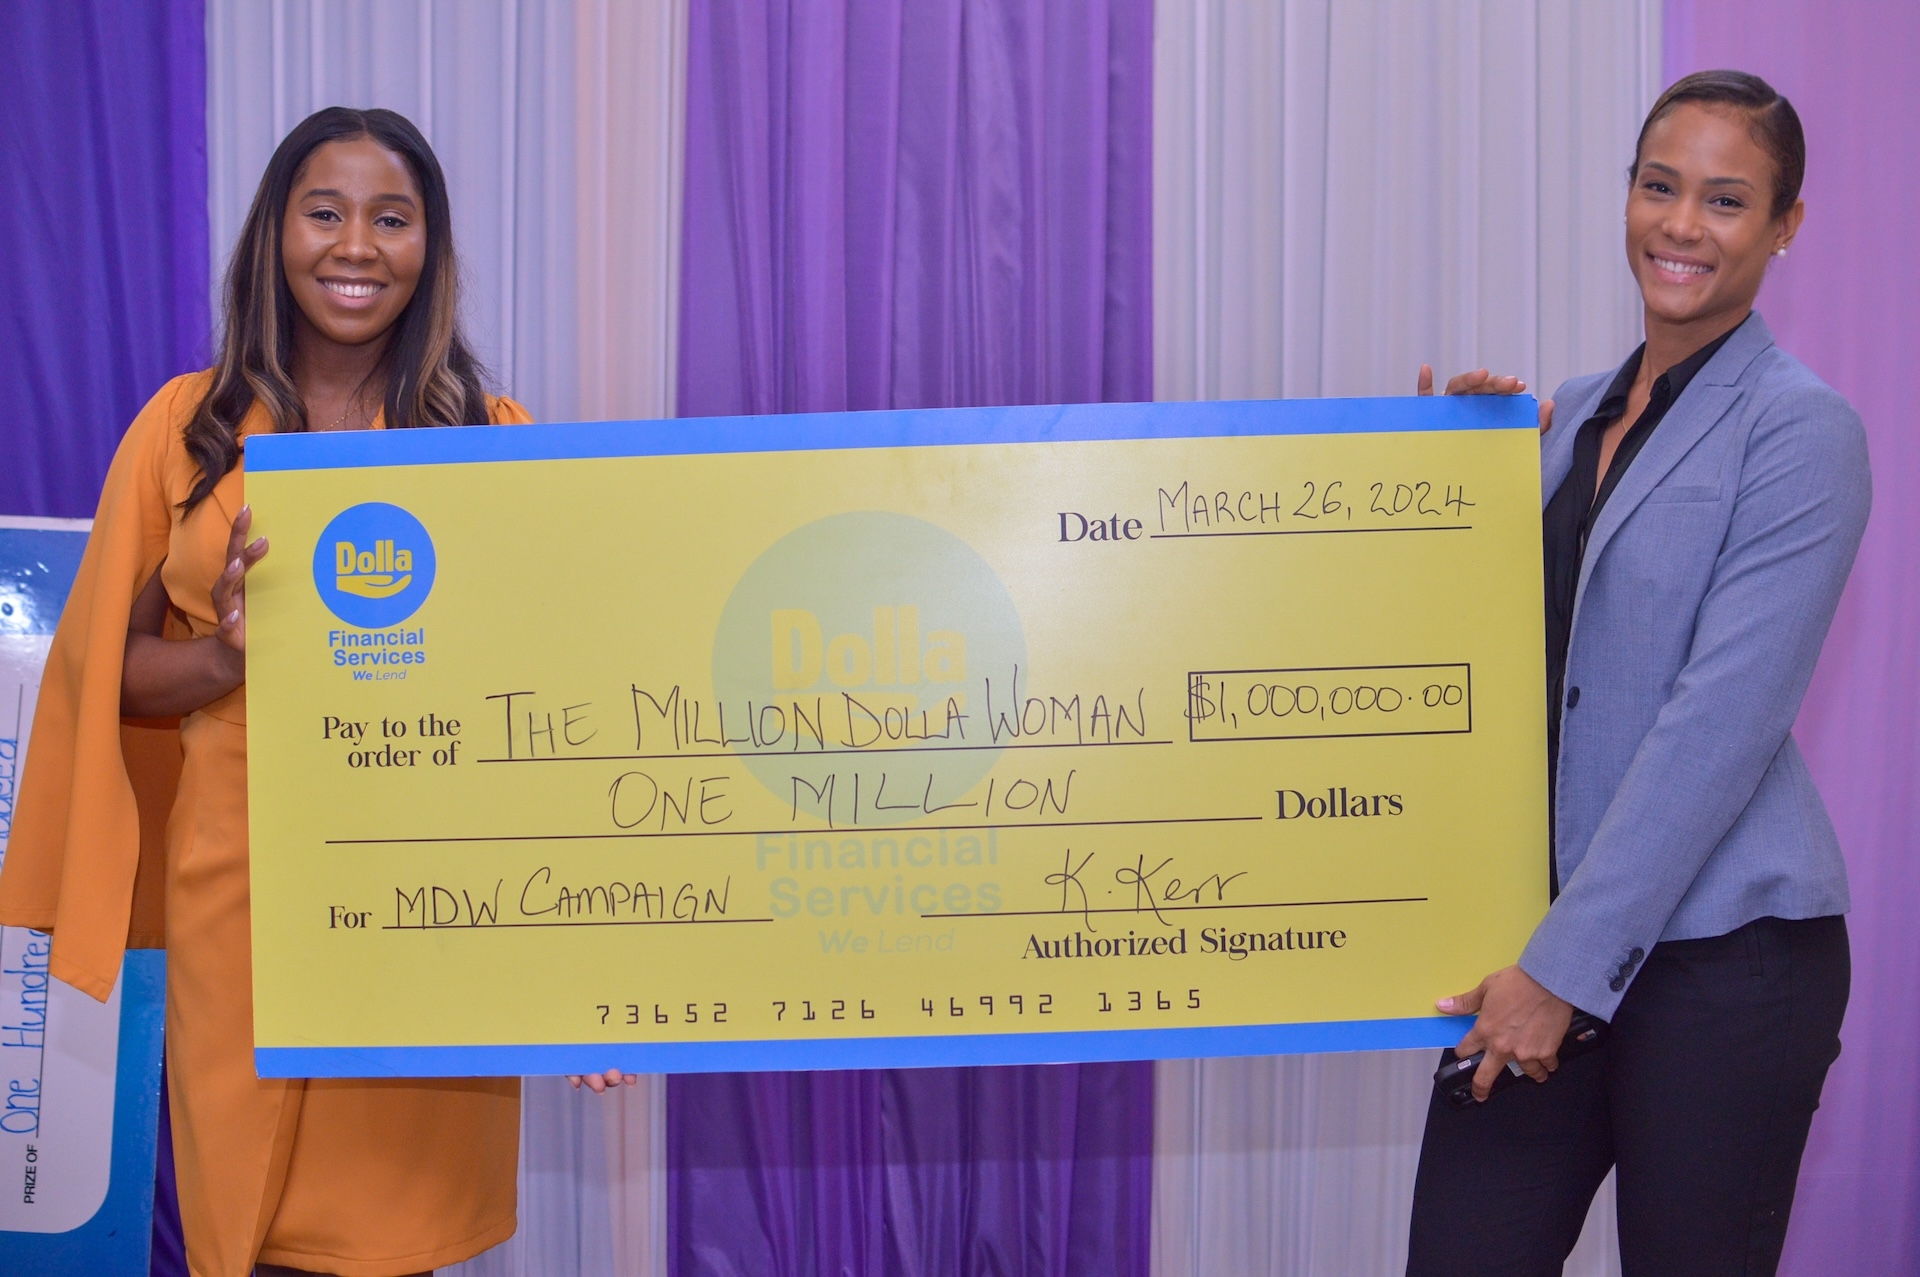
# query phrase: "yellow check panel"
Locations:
[[1008, 738]]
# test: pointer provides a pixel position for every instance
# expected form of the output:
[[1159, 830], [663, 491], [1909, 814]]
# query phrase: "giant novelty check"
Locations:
[[903, 738]]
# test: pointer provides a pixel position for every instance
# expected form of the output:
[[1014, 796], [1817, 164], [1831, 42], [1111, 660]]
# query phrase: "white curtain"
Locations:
[[558, 123], [631, 71], [1344, 190], [593, 1185], [1302, 1166]]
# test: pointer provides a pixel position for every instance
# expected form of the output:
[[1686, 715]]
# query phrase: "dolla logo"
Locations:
[[373, 565]]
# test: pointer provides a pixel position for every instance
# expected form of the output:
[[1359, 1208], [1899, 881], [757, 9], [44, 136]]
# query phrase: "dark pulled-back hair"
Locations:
[[432, 376], [1771, 120]]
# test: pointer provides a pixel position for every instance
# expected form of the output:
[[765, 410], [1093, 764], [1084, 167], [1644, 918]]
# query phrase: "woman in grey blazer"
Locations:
[[1703, 506]]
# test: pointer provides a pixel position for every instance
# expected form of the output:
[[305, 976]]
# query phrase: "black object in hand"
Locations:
[[1454, 1078]]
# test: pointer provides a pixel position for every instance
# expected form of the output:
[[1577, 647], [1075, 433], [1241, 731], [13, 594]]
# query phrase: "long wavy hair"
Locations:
[[432, 376]]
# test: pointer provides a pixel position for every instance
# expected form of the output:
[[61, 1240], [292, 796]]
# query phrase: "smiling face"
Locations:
[[354, 241], [1699, 223]]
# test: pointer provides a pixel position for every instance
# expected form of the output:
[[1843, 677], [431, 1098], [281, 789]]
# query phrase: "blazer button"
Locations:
[[1637, 955], [1573, 697]]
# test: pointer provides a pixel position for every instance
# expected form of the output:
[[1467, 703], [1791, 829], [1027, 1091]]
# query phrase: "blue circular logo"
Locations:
[[373, 565]]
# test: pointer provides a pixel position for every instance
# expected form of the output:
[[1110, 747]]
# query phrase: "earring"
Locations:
[[1780, 251]]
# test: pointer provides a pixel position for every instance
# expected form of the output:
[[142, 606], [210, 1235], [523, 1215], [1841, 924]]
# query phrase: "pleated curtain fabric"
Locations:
[[1342, 192], [934, 204], [915, 205], [106, 260]]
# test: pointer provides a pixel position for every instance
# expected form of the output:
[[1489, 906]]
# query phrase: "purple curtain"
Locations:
[[927, 204], [1846, 300], [105, 268], [935, 204], [912, 1172]]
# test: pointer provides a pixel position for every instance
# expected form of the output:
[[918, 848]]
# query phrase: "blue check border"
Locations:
[[800, 432], [931, 1051]]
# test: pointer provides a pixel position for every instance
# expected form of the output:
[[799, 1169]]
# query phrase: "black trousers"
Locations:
[[1701, 1098]]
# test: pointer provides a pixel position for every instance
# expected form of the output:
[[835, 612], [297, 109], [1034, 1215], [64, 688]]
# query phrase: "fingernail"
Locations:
[[233, 617], [1446, 1004]]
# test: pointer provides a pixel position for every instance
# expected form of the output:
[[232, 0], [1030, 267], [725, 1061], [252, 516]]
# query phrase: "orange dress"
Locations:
[[130, 832]]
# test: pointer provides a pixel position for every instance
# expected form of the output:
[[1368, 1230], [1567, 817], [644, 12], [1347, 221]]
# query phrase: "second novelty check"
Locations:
[[872, 739]]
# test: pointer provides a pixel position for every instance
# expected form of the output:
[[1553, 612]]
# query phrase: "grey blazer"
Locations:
[[1683, 806]]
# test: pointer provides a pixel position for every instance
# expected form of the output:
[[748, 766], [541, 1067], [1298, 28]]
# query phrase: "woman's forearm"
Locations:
[[168, 678]]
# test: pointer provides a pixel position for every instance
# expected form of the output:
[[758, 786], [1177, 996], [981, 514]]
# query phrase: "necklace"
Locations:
[[352, 405]]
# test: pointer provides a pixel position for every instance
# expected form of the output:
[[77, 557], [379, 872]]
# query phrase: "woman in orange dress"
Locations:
[[132, 819]]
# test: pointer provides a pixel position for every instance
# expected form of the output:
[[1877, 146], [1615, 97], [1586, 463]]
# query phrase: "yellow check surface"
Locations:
[[1067, 748]]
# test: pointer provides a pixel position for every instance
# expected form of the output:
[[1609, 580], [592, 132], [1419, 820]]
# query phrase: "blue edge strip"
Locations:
[[930, 1051], [801, 432], [911, 427]]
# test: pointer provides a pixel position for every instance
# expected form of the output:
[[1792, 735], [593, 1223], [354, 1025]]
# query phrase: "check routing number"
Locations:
[[898, 738]]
